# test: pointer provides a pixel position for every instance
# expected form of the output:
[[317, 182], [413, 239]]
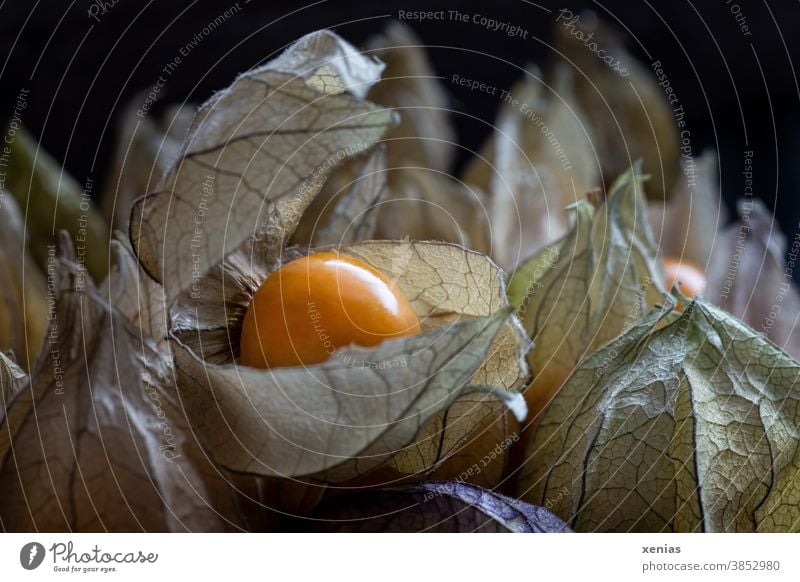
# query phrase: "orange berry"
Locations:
[[307, 309], [691, 280]]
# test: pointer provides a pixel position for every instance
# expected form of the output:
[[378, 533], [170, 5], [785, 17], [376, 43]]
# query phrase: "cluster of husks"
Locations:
[[138, 414]]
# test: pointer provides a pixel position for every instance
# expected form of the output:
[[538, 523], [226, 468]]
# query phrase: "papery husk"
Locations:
[[53, 201], [348, 204], [539, 161], [12, 378], [447, 287], [428, 205], [629, 114], [256, 156], [682, 424], [750, 278], [582, 291], [425, 136], [245, 502], [433, 506], [92, 442]]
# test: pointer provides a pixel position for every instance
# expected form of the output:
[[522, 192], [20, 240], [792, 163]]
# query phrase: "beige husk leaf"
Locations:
[[427, 204], [629, 114], [146, 149], [53, 201], [91, 442], [424, 137], [23, 296], [256, 155], [750, 278], [12, 378], [354, 212], [687, 226], [471, 443], [745, 262], [685, 426], [539, 160], [317, 420], [423, 201], [138, 416]]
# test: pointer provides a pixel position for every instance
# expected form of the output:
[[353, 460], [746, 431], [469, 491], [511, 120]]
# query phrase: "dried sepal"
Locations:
[[750, 278], [146, 148], [626, 108], [131, 291], [354, 210], [90, 442], [538, 161], [681, 424], [424, 204], [424, 137], [688, 225], [12, 378], [256, 155], [579, 293], [452, 290], [54, 201]]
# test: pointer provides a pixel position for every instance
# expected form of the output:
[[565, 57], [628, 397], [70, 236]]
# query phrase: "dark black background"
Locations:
[[740, 92]]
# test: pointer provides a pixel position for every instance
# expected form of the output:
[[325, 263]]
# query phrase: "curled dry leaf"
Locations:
[[688, 224], [131, 291], [243, 502], [12, 378], [538, 161], [579, 293], [88, 444], [629, 113], [23, 297], [685, 426], [306, 421], [145, 150], [354, 213], [364, 407], [428, 205], [256, 155], [348, 204], [424, 137], [448, 283], [470, 443], [54, 201], [750, 278], [434, 506]]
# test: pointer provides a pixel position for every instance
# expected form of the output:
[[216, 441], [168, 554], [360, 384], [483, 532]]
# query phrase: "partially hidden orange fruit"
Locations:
[[690, 278], [308, 308]]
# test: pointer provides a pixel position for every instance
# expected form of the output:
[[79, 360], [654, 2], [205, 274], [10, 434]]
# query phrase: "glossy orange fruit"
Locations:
[[690, 278], [308, 308]]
